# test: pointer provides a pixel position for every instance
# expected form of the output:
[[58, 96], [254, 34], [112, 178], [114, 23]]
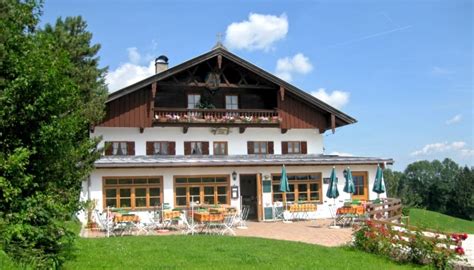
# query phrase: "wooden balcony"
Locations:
[[216, 117]]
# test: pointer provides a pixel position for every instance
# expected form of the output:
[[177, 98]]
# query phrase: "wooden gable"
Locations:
[[134, 105]]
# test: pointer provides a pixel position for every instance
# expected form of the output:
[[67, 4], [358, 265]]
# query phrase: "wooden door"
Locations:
[[259, 198], [361, 184]]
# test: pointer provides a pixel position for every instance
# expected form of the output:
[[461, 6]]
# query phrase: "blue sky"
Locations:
[[403, 69]]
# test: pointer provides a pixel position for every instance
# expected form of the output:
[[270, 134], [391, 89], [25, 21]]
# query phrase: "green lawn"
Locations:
[[437, 221], [215, 252]]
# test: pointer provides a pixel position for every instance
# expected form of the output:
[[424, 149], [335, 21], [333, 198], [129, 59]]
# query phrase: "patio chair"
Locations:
[[241, 220], [226, 226], [106, 224], [278, 211], [147, 225], [189, 227]]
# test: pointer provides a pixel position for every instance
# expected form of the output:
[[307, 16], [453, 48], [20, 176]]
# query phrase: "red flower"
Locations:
[[464, 236], [459, 250]]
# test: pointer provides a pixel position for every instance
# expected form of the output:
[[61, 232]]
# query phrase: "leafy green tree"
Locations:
[[461, 203], [392, 181], [51, 90]]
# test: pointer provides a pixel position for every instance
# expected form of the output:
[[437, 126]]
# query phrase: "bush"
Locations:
[[408, 247]]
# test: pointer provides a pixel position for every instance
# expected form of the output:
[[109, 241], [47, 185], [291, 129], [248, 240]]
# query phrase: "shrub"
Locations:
[[408, 246]]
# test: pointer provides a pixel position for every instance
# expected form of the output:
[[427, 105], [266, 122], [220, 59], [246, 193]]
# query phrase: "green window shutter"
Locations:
[[267, 186]]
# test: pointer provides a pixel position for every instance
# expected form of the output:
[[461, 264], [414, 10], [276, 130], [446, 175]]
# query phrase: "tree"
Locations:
[[392, 181], [51, 90], [461, 203]]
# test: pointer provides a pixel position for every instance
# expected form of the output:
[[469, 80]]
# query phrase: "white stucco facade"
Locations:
[[94, 191], [237, 142]]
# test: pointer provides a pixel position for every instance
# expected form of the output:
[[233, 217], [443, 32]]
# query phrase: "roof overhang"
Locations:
[[234, 160]]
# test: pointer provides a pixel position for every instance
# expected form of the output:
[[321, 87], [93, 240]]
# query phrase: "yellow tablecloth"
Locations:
[[307, 207], [353, 209], [206, 217], [171, 214]]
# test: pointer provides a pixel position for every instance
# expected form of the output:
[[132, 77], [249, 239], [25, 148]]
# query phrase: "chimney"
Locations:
[[161, 64]]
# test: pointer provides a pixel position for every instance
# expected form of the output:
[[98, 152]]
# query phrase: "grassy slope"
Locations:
[[441, 222]]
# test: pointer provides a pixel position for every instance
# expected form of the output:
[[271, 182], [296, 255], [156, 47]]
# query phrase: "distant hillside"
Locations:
[[437, 221]]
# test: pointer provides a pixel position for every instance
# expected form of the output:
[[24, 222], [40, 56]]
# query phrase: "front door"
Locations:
[[361, 186], [248, 192]]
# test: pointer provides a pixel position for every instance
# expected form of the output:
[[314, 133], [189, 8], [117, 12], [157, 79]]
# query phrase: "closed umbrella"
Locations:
[[379, 186], [284, 186], [333, 193], [349, 186]]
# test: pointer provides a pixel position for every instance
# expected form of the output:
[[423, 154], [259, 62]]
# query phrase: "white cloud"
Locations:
[[442, 147], [441, 71], [455, 119], [259, 32], [342, 154], [287, 66], [130, 72], [336, 98], [467, 152], [133, 55]]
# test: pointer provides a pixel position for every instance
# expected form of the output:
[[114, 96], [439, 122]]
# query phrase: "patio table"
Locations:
[[126, 223], [348, 214], [301, 211]]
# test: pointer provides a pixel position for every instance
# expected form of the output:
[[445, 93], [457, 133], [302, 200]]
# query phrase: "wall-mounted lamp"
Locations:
[[234, 175]]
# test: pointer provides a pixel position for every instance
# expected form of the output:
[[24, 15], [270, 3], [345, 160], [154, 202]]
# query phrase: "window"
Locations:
[[160, 148], [119, 148], [220, 148], [231, 102], [360, 184], [132, 193], [260, 147], [303, 188], [196, 148], [202, 189], [293, 147], [193, 101]]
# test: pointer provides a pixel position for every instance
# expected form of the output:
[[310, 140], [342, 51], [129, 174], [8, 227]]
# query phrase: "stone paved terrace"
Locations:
[[312, 232]]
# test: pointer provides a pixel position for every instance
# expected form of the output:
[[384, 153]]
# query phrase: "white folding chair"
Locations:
[[105, 222], [226, 226], [189, 227]]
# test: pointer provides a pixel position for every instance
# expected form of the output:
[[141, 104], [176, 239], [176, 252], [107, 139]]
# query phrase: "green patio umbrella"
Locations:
[[379, 186], [284, 185], [332, 192], [349, 186]]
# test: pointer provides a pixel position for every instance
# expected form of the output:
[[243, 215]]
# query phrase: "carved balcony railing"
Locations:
[[169, 116]]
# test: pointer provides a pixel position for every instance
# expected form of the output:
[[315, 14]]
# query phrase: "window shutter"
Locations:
[[205, 148], [150, 148], [284, 148], [187, 148], [171, 148], [108, 149], [250, 148], [304, 148], [131, 148], [270, 148]]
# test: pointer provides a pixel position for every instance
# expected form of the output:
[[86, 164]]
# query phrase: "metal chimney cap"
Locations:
[[162, 59]]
